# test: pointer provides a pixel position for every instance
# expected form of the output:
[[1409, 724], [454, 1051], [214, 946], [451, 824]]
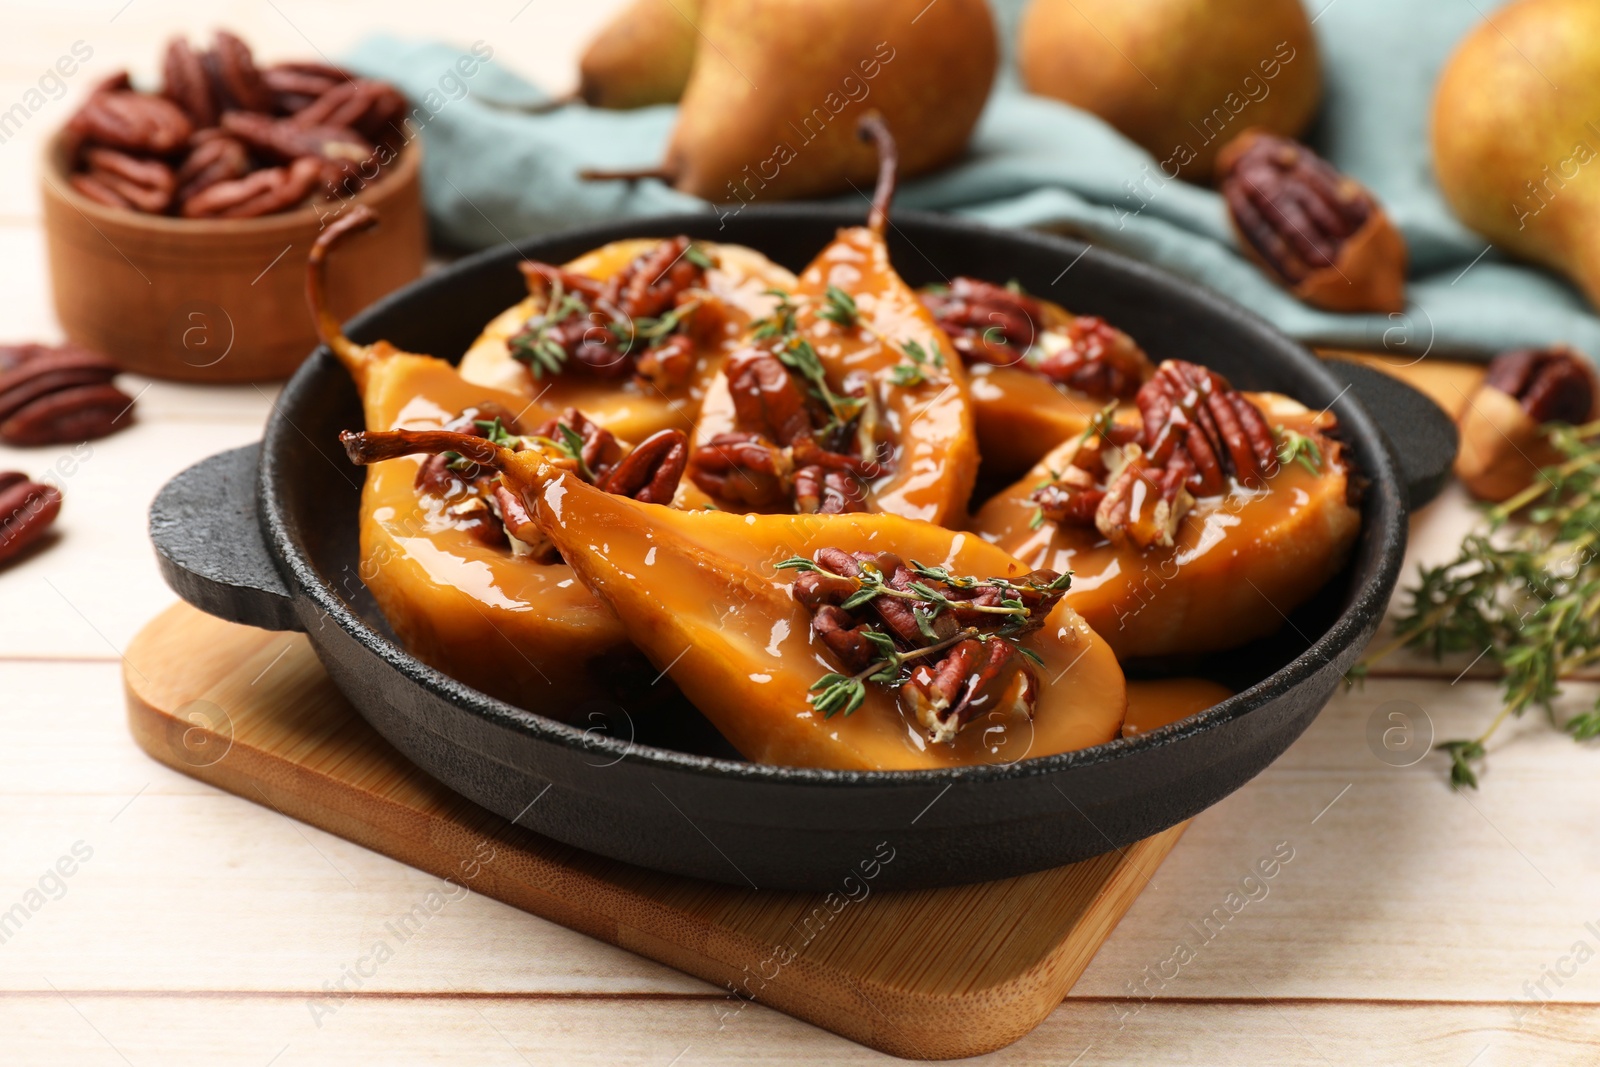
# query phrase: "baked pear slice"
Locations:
[[847, 398], [1199, 530], [630, 333], [461, 592], [1039, 373], [938, 650]]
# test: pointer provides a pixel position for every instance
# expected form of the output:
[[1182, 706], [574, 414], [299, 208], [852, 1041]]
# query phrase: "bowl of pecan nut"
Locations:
[[179, 218]]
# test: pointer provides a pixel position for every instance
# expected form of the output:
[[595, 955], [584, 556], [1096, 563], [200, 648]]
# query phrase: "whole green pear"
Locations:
[[771, 106], [1516, 134], [642, 56], [1179, 77]]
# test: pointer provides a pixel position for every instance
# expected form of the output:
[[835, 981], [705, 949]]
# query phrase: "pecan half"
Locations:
[[60, 395], [262, 192], [650, 473], [1003, 326], [987, 323], [371, 108], [282, 140], [132, 122], [1551, 384], [1194, 418], [1504, 436], [297, 85], [234, 78], [186, 83], [216, 159], [140, 184], [1318, 232], [27, 509]]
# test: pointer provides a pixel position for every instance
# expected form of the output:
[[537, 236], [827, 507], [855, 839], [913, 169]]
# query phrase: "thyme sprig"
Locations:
[[1295, 447], [535, 345], [915, 370], [839, 308], [1524, 596], [835, 692]]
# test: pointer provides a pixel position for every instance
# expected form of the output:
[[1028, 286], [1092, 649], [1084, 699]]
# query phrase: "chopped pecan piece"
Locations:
[[954, 655], [618, 326], [1318, 232], [1144, 502], [1005, 327]]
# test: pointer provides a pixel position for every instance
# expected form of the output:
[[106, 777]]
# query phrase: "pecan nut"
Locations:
[[215, 159], [1006, 327], [1318, 232], [125, 181], [987, 323], [296, 85], [282, 140], [27, 509], [60, 395], [924, 613], [650, 473], [237, 83], [186, 83], [1193, 418], [132, 122], [371, 108], [1551, 384], [262, 192]]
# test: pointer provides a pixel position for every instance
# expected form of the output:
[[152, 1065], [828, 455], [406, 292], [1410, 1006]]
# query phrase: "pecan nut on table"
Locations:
[[1506, 425], [1317, 232], [58, 395], [227, 139]]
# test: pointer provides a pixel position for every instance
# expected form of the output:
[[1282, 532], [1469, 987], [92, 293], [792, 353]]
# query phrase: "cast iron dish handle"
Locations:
[[1421, 436], [207, 535]]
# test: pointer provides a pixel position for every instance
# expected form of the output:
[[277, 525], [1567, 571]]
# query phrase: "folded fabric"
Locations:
[[494, 173]]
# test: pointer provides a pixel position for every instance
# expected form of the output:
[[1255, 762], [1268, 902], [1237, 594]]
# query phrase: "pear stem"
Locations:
[[659, 173], [374, 446], [354, 220], [873, 128]]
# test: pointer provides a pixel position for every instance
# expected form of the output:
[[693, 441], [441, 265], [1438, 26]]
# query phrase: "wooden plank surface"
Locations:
[[1408, 929]]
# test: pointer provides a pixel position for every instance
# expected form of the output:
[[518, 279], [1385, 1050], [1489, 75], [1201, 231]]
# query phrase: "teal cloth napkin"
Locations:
[[493, 175]]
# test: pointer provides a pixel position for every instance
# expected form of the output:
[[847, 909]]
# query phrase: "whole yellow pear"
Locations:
[[1516, 134], [642, 56], [1179, 77], [777, 86]]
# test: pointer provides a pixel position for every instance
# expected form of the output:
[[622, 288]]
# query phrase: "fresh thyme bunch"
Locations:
[[1524, 594]]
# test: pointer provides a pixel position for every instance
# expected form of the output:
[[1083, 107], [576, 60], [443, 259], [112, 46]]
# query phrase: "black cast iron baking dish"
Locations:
[[267, 535]]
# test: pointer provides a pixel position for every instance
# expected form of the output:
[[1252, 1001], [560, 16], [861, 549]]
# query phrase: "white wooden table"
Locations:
[[1412, 925]]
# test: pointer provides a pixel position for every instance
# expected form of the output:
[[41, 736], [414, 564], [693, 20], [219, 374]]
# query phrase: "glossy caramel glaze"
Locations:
[[527, 632], [700, 593], [929, 424], [633, 409], [1022, 415], [1241, 563], [1154, 704]]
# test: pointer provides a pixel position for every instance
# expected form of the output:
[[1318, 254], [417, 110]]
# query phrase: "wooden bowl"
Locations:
[[217, 300]]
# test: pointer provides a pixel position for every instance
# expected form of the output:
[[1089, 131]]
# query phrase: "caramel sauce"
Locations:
[[523, 631], [1021, 415], [1241, 563], [699, 592], [634, 410], [929, 424], [1154, 704]]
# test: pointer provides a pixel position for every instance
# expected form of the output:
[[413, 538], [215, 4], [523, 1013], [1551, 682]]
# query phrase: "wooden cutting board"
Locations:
[[931, 974]]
